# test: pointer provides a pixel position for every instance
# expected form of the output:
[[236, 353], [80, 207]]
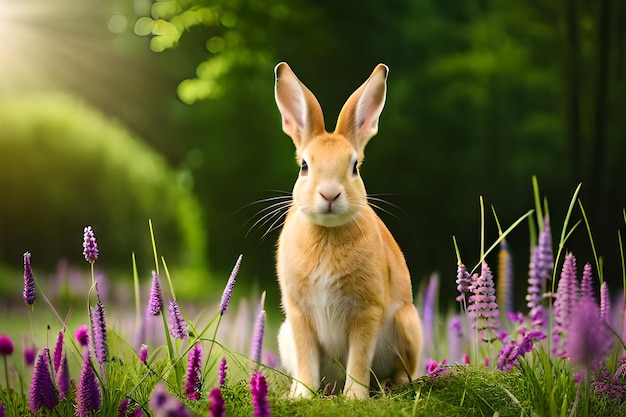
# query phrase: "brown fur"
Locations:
[[346, 289]]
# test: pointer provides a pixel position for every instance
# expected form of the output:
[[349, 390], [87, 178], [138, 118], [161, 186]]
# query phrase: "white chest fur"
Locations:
[[331, 308]]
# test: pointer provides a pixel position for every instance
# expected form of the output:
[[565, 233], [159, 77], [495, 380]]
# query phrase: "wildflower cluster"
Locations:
[[581, 332], [52, 389]]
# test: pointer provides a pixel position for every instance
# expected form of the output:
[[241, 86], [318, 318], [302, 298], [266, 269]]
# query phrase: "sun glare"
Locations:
[[57, 43]]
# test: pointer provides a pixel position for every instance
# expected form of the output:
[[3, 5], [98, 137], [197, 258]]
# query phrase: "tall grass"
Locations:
[[481, 361]]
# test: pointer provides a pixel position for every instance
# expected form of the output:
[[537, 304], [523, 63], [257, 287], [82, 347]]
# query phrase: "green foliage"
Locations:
[[481, 97], [64, 166]]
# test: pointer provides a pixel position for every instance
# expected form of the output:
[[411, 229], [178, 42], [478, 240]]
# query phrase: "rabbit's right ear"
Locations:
[[300, 110]]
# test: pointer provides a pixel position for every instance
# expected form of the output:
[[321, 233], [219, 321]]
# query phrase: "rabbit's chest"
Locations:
[[332, 306]]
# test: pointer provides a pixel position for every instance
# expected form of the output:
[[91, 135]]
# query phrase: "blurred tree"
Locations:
[[482, 95], [64, 166]]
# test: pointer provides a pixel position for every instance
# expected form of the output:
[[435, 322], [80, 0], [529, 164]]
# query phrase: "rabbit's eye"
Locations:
[[304, 168], [355, 168]]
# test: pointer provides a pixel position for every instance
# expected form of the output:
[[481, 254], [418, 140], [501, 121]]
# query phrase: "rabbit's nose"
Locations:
[[330, 193]]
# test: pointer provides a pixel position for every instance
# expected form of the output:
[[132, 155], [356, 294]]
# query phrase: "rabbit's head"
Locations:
[[329, 190]]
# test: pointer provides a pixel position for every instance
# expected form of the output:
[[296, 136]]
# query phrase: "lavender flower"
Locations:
[[258, 388], [505, 277], [2, 412], [586, 284], [29, 281], [143, 354], [42, 390], [63, 377], [228, 291], [6, 349], [435, 369], [155, 304], [122, 409], [82, 335], [541, 264], [178, 327], [566, 299], [6, 345], [58, 352], [193, 387], [221, 372], [88, 396], [90, 246], [29, 355], [216, 403], [589, 339], [256, 349], [508, 356], [99, 332], [463, 282], [455, 337], [605, 302], [163, 403], [483, 308]]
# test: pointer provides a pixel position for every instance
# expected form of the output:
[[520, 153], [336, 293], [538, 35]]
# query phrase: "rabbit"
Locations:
[[345, 287]]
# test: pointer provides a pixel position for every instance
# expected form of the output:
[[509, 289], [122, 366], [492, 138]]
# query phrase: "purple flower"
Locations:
[[455, 337], [589, 339], [505, 277], [63, 377], [163, 403], [586, 284], [90, 246], [605, 302], [258, 388], [82, 335], [463, 282], [2, 412], [541, 264], [566, 299], [42, 390], [508, 356], [6, 345], [88, 396], [29, 281], [435, 369], [483, 308], [256, 348], [228, 291], [217, 407], [123, 407], [143, 354], [29, 355], [99, 332], [193, 388], [58, 352], [155, 304], [430, 306], [178, 327], [221, 372]]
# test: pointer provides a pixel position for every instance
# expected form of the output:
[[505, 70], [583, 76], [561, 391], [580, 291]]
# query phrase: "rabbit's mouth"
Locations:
[[330, 215]]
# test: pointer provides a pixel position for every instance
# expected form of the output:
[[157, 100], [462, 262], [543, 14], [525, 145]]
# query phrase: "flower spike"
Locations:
[[29, 281], [90, 246], [228, 291]]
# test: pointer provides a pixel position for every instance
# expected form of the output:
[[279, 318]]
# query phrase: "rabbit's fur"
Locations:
[[346, 289]]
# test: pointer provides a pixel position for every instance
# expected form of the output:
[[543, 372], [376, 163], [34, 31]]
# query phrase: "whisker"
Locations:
[[275, 225], [279, 211], [382, 209], [265, 200]]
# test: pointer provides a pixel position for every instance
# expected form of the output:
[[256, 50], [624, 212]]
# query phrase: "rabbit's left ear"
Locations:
[[301, 112], [358, 119]]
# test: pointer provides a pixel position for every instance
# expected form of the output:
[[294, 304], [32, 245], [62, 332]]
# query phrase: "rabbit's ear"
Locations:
[[358, 119], [300, 110]]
